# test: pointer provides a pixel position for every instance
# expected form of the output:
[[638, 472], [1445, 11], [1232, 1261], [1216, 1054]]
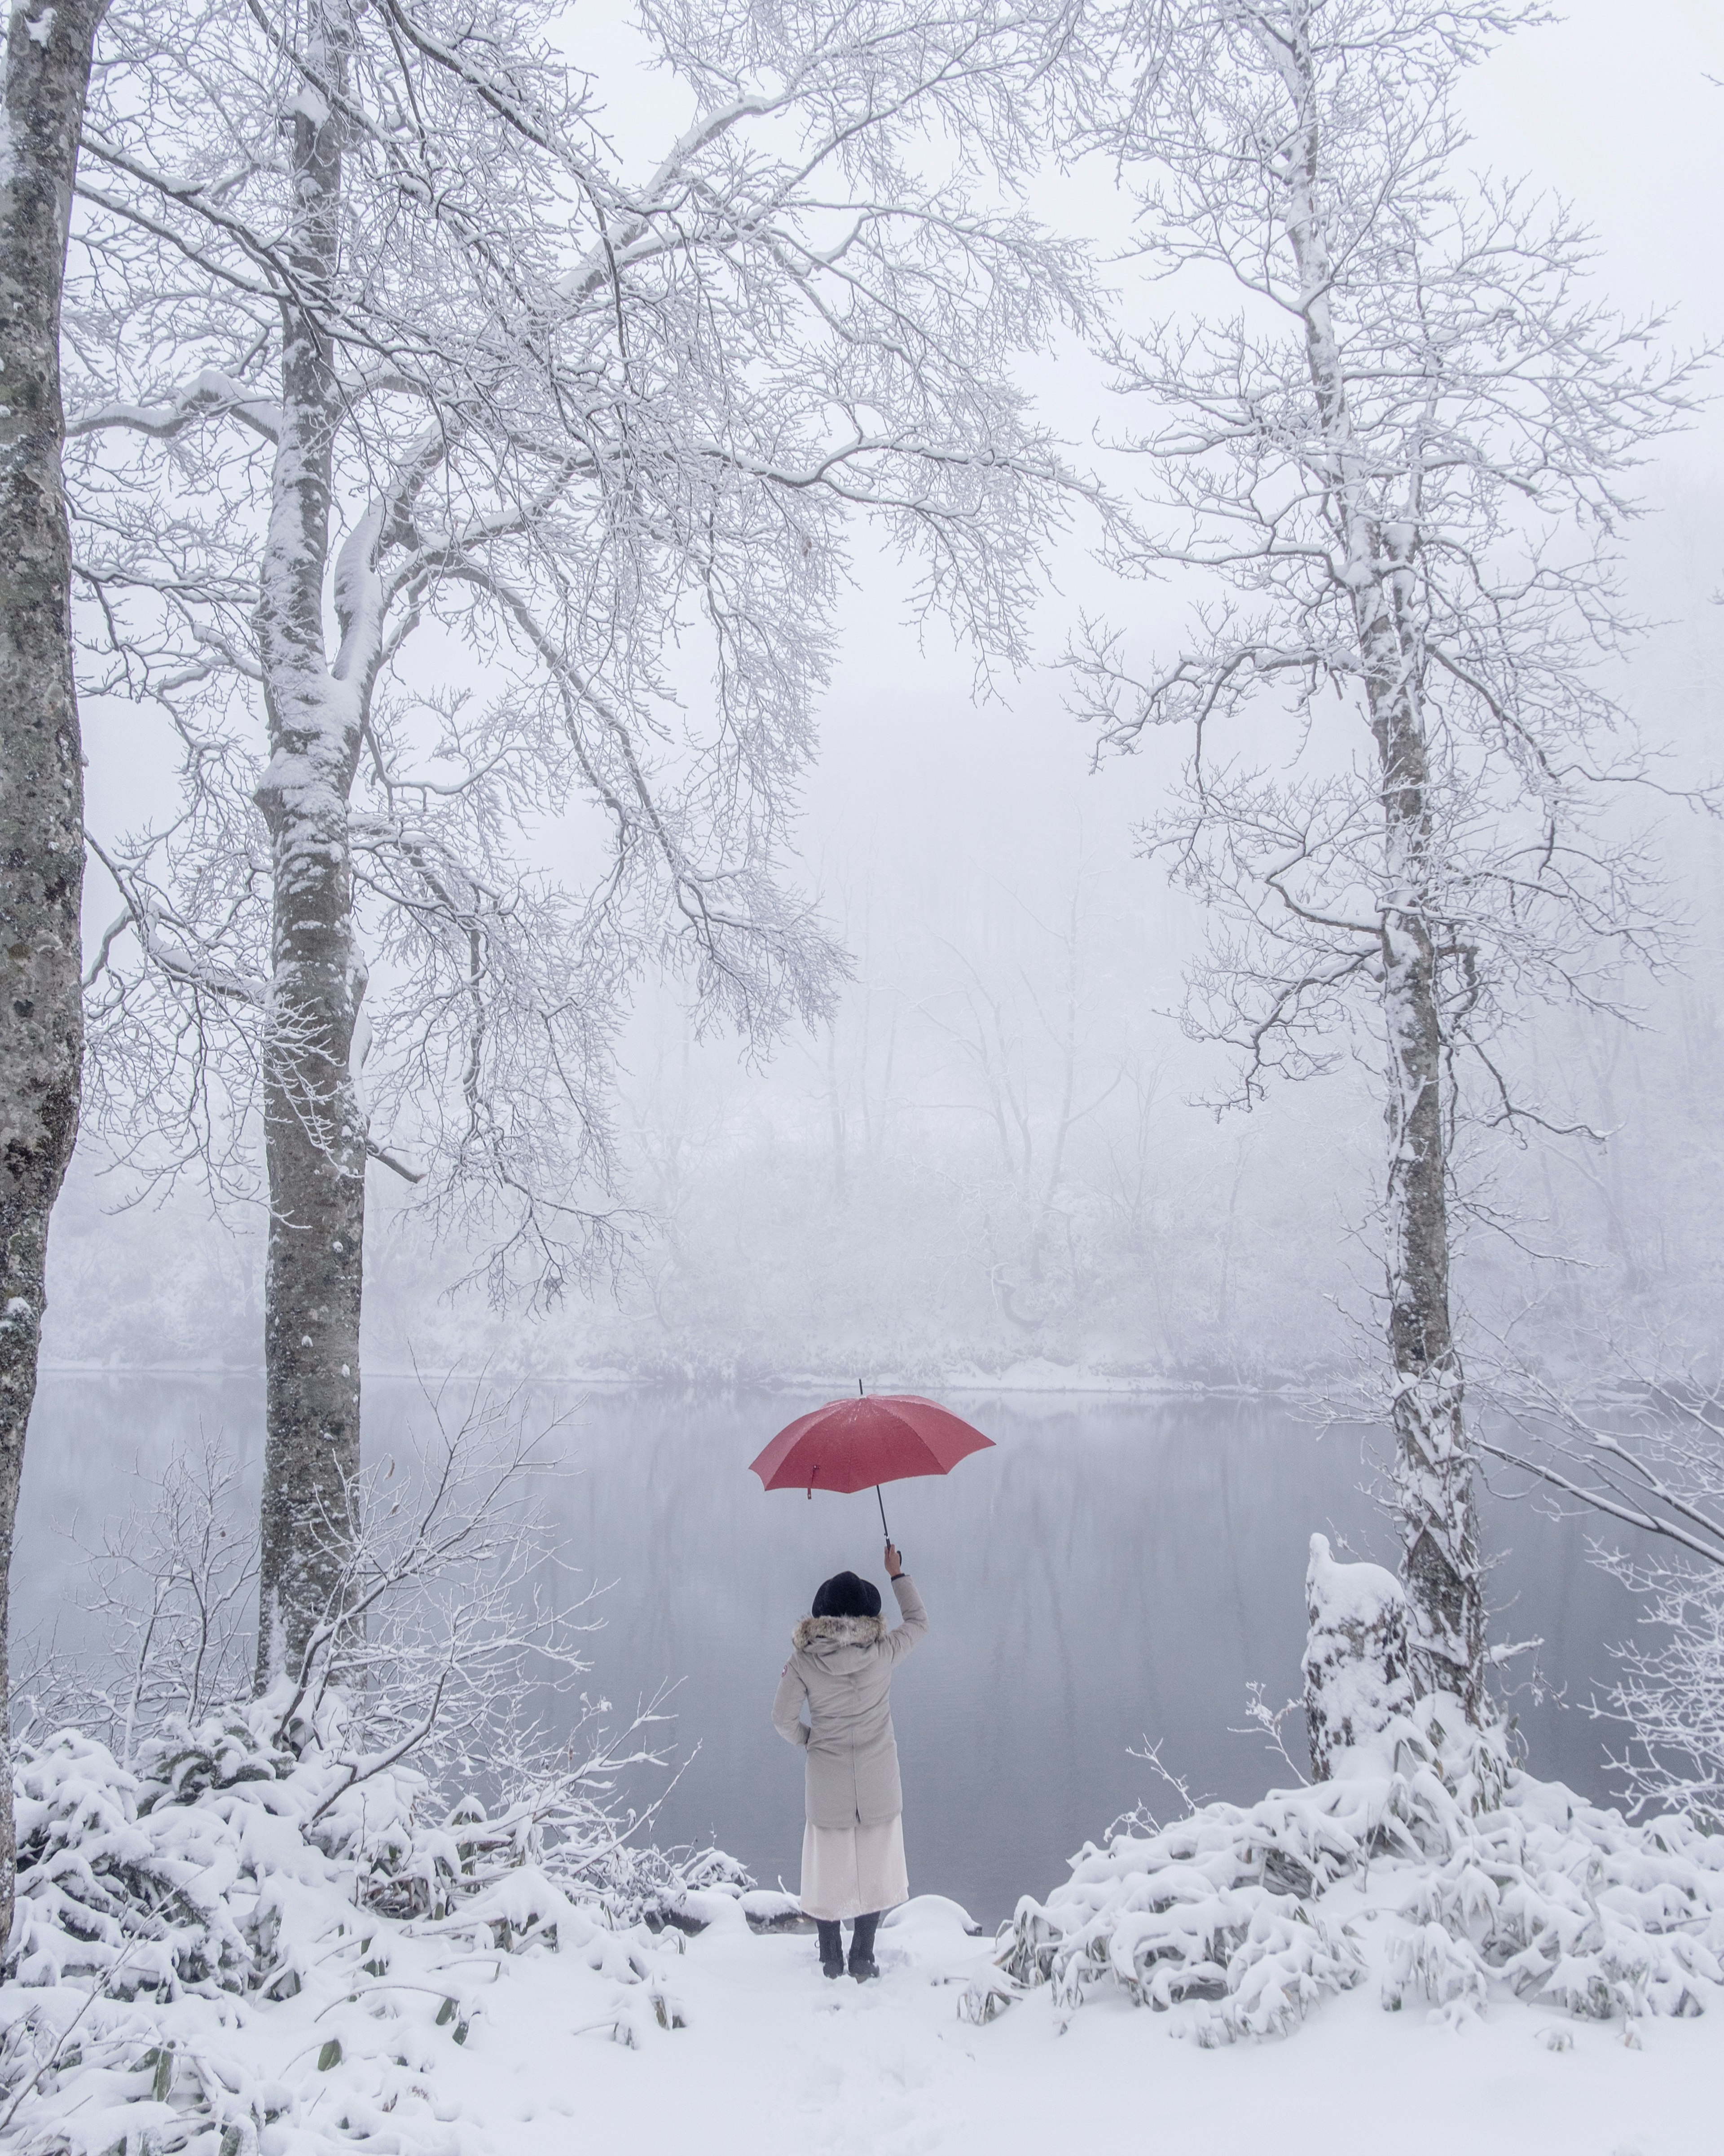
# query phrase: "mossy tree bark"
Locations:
[[47, 61]]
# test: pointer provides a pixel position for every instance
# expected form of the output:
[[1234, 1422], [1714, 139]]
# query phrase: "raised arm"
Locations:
[[915, 1627], [787, 1707]]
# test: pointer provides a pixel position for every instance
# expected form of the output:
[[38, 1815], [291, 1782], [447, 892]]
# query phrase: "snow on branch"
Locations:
[[210, 396], [1643, 1458]]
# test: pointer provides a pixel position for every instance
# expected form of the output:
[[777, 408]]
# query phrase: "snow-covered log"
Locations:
[[1357, 1677]]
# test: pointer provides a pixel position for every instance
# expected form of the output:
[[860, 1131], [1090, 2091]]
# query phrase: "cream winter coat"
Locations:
[[843, 1668]]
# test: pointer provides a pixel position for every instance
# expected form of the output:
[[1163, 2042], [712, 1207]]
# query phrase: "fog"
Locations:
[[1002, 1155]]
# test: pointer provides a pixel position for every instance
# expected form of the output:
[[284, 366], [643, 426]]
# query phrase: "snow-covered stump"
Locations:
[[1358, 1668]]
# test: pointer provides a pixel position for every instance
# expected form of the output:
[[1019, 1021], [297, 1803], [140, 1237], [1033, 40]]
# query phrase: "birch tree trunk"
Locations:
[[46, 64], [314, 1127]]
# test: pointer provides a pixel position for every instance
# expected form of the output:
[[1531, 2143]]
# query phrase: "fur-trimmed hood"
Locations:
[[842, 1631]]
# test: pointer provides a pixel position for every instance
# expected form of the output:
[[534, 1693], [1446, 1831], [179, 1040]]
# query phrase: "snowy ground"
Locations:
[[776, 2059], [519, 2024], [241, 1950]]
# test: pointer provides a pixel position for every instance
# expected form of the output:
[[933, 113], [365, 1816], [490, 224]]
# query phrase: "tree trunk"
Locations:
[[314, 1125], [1434, 1459], [46, 76]]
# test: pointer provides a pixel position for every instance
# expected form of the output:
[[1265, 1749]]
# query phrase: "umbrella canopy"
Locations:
[[856, 1445]]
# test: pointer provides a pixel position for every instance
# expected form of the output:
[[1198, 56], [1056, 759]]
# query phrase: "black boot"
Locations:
[[862, 1962], [831, 1948]]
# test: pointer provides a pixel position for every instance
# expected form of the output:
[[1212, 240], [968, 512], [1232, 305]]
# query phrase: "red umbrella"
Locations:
[[847, 1445]]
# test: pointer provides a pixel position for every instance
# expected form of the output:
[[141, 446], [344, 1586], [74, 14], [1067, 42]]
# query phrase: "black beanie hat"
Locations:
[[846, 1594]]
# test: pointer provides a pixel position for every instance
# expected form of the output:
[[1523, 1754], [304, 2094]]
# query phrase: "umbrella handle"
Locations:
[[884, 1529]]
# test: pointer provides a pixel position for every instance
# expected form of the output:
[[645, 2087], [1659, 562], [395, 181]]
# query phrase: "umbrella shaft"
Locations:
[[884, 1529]]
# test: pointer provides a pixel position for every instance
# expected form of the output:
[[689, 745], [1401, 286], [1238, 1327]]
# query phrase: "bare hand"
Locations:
[[895, 1561]]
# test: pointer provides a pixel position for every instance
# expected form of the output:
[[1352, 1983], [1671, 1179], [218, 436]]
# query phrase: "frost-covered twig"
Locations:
[[173, 1577], [1268, 1722], [1645, 1453]]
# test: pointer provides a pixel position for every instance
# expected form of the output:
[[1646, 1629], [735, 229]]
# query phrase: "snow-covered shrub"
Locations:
[[132, 1897], [1481, 1877], [1219, 1908], [171, 1876], [169, 1914], [1478, 1880], [348, 1851]]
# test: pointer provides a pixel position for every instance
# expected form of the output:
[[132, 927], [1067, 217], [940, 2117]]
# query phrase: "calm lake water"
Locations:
[[1113, 1572]]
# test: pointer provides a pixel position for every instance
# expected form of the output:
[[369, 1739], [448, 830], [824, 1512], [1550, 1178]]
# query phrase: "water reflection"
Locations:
[[1112, 1572]]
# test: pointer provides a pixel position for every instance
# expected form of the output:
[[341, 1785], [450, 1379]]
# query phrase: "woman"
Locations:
[[853, 1845]]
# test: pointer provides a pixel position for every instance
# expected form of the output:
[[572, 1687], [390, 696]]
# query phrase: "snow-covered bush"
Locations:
[[166, 1915], [356, 1845], [1427, 1856], [1479, 1878], [1219, 1908]]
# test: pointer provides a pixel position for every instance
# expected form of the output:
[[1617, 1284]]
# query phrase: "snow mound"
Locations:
[[1480, 1881], [932, 1912]]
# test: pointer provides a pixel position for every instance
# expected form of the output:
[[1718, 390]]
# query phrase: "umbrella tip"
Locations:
[[860, 1394]]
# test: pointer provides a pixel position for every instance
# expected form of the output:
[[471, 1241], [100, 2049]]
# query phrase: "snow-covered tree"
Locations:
[[1401, 456], [421, 434], [45, 74]]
